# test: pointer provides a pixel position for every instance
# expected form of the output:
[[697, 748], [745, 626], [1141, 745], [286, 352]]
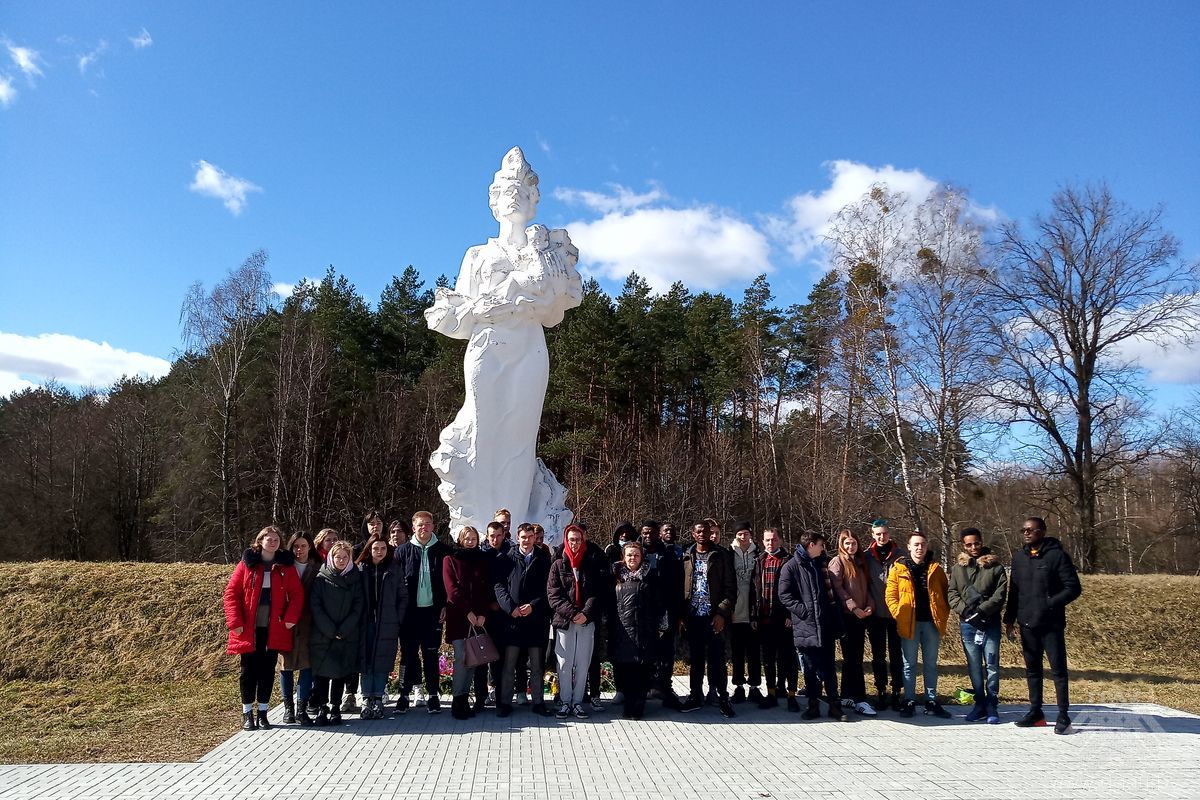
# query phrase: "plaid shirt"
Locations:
[[771, 564]]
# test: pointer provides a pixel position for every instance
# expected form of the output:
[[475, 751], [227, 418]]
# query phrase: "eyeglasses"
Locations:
[[1029, 530]]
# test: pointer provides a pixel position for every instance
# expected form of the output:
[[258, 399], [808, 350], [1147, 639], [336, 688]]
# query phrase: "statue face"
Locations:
[[514, 200]]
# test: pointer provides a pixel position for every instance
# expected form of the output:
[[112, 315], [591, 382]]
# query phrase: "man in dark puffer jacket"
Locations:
[[1042, 583]]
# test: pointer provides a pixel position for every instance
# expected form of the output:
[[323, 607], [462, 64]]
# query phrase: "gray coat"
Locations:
[[878, 568]]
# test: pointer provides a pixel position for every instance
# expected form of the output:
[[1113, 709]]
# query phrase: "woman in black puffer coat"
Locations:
[[639, 620], [337, 606], [385, 598]]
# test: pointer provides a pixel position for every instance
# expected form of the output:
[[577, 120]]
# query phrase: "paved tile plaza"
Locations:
[[1117, 751]]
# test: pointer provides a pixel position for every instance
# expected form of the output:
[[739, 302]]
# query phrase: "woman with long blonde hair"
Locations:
[[852, 585]]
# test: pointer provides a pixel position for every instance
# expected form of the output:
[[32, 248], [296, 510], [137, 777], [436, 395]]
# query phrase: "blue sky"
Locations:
[[689, 140]]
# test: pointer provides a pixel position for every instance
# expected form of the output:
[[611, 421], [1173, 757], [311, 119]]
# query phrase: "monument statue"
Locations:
[[508, 288]]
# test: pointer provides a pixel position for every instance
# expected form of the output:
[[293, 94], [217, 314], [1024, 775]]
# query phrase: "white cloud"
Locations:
[[30, 360], [1174, 358], [26, 59], [703, 246], [283, 289], [806, 222], [142, 40], [212, 181], [619, 198], [542, 144], [87, 59], [8, 92]]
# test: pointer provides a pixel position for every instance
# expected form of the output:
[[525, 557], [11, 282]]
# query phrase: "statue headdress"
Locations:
[[514, 167]]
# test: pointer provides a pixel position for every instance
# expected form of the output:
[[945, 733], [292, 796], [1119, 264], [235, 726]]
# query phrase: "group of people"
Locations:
[[332, 618]]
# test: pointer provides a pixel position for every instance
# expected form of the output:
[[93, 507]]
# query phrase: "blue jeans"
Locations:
[[927, 637], [373, 683], [981, 655], [287, 684]]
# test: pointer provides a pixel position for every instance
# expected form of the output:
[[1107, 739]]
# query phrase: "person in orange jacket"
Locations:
[[916, 597], [263, 602]]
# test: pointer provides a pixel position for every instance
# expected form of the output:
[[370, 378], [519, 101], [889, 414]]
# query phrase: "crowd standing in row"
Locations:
[[333, 618]]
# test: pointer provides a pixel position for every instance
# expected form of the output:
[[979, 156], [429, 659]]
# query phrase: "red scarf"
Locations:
[[576, 561]]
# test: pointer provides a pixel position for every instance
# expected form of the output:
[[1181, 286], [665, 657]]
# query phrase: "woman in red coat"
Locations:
[[470, 596], [263, 602]]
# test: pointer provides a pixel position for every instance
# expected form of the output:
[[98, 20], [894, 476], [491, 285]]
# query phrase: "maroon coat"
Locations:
[[242, 594], [467, 575]]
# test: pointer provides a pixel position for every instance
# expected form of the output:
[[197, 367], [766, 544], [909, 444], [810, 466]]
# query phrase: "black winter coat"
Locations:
[[408, 556], [385, 599], [594, 586], [638, 616], [597, 562], [1041, 586], [517, 584], [668, 570], [805, 592], [337, 610]]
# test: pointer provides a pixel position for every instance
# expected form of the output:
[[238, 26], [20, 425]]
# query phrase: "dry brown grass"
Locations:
[[126, 662]]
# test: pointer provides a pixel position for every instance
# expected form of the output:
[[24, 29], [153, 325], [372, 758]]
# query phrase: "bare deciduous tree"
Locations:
[[1090, 277], [221, 325]]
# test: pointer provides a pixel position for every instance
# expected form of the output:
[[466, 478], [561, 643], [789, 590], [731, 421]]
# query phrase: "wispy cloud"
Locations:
[[87, 59], [142, 40], [212, 181], [26, 361], [542, 144], [704, 246], [26, 59], [618, 198], [8, 92]]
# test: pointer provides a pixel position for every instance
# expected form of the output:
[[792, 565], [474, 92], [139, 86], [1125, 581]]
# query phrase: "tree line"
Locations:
[[945, 372]]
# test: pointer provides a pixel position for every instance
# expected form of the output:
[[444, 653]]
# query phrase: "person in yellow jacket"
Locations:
[[916, 598]]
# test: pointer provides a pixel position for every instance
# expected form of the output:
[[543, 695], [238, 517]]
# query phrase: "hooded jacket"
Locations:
[[901, 596], [805, 592], [978, 587], [594, 588], [385, 599], [1041, 586], [337, 609], [243, 593], [743, 573]]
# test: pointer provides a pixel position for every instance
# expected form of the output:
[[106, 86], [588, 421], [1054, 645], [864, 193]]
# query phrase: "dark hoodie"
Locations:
[[1043, 581]]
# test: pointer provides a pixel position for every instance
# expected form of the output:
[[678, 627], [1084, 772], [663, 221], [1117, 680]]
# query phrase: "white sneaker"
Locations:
[[865, 708], [421, 696]]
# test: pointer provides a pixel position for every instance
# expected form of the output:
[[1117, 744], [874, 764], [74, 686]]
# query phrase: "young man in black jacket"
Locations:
[[709, 594], [1042, 583], [420, 560]]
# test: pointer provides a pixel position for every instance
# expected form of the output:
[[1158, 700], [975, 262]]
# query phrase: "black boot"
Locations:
[[289, 711], [248, 723], [303, 718], [459, 708], [322, 716], [263, 723]]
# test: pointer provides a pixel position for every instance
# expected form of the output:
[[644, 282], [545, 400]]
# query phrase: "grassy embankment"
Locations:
[[126, 662]]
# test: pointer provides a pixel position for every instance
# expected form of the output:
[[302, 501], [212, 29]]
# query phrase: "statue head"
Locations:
[[514, 194]]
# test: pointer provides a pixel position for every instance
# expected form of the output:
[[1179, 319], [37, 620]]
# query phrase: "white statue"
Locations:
[[507, 290]]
